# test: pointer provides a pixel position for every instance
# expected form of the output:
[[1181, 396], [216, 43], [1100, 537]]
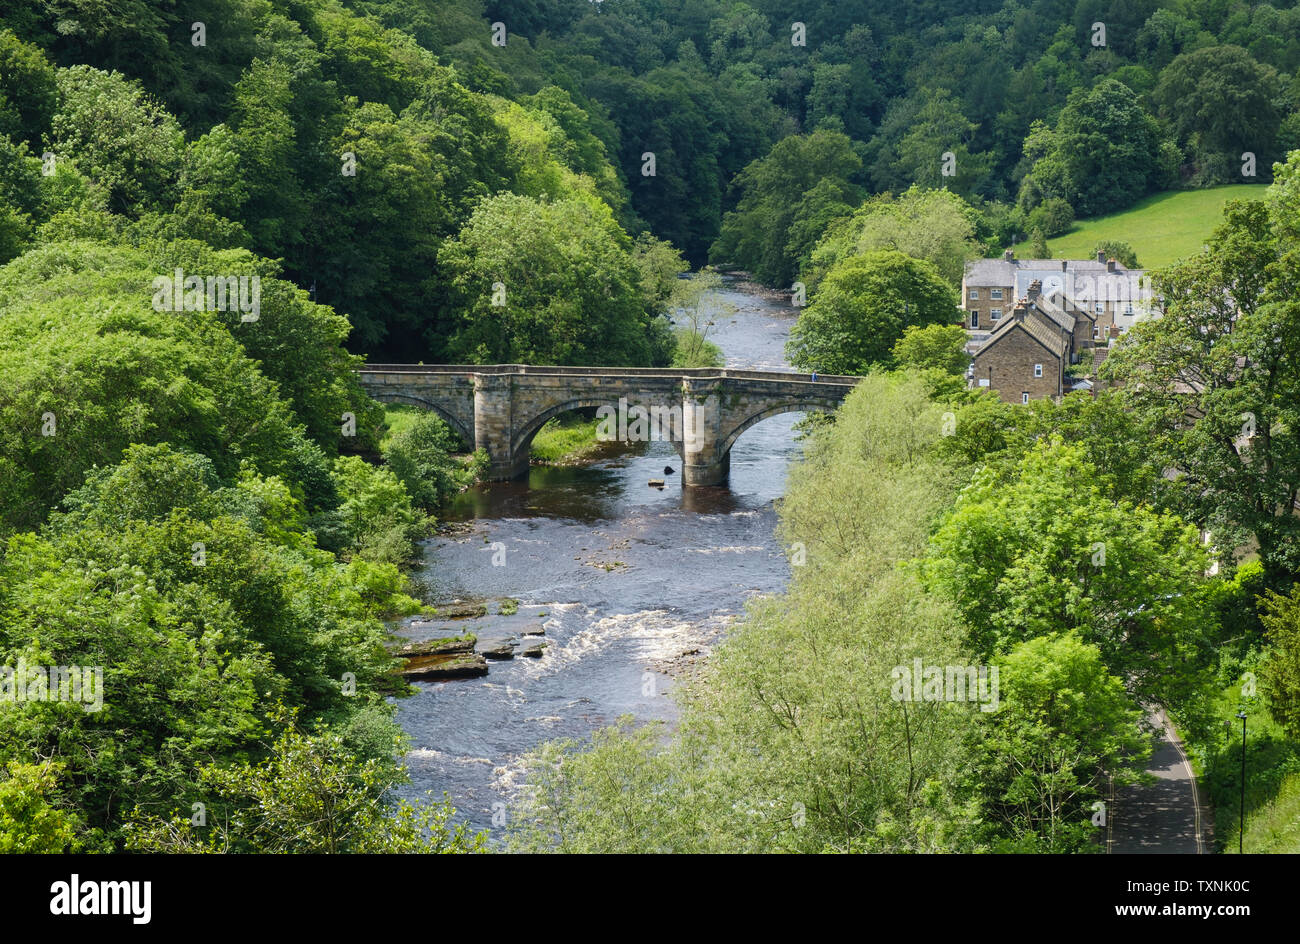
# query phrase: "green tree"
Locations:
[[757, 235], [1118, 250], [1104, 154], [936, 150], [1279, 673], [571, 293], [29, 822], [28, 89], [935, 225], [119, 136], [1215, 380], [1038, 245], [1220, 102], [1046, 553], [862, 308], [1064, 730], [934, 347], [420, 455], [310, 795]]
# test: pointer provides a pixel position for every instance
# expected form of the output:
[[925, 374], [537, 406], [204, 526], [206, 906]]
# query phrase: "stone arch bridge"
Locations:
[[701, 411]]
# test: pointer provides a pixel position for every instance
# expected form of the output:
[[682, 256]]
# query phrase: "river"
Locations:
[[625, 579]]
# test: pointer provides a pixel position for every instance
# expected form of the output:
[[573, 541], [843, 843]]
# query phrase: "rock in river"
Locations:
[[453, 611], [500, 651], [437, 668], [533, 650], [447, 645]]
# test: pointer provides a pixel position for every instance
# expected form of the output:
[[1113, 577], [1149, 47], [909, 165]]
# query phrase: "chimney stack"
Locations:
[[1035, 289], [1009, 256], [1110, 265], [1101, 255], [1063, 264]]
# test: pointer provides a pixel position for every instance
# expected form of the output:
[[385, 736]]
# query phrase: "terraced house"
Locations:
[[1109, 291], [1039, 327]]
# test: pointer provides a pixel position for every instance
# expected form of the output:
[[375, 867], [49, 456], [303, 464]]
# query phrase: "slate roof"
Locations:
[[1036, 325], [1103, 285], [1045, 333]]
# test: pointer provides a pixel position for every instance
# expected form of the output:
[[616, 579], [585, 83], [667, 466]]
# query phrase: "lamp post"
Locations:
[[1241, 828]]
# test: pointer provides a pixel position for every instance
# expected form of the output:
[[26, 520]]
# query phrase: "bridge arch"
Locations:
[[523, 440], [454, 422], [809, 405]]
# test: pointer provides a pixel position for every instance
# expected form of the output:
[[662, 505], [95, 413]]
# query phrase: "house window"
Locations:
[[1038, 370], [995, 314], [1100, 308], [1096, 332], [1128, 309], [995, 294], [974, 294], [974, 319], [1024, 397]]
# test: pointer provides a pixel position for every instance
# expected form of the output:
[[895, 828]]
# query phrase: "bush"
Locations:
[[1053, 216], [420, 454]]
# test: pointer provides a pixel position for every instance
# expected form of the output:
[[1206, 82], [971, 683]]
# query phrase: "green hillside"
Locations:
[[1162, 228]]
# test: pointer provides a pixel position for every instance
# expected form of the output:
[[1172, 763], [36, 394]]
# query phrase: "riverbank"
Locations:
[[565, 440]]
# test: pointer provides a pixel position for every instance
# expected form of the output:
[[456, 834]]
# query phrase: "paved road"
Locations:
[[1165, 816]]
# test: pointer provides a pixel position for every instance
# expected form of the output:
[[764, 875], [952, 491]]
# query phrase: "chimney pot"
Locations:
[[1101, 255], [1110, 265], [1062, 265], [1009, 255]]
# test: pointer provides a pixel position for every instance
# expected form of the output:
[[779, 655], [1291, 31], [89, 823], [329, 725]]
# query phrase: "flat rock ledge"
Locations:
[[440, 667], [445, 646]]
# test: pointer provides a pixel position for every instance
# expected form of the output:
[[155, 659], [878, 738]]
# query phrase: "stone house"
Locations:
[[1030, 352], [1114, 296]]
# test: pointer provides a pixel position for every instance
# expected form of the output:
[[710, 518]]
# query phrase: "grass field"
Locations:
[[1162, 228]]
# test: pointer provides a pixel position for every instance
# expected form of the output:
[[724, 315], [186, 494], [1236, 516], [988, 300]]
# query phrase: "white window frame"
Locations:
[[1024, 397], [1100, 308], [974, 294], [995, 314], [1038, 370], [995, 294], [1096, 332]]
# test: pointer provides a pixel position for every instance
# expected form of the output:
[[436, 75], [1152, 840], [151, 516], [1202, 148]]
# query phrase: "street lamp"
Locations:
[[1241, 828]]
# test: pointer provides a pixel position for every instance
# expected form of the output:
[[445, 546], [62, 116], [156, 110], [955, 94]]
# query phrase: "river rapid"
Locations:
[[628, 582]]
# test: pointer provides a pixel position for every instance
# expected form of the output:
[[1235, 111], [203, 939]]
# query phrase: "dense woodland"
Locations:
[[212, 510]]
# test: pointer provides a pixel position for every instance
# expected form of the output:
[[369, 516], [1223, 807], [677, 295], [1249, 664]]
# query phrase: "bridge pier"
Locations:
[[707, 473], [494, 427], [703, 462]]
